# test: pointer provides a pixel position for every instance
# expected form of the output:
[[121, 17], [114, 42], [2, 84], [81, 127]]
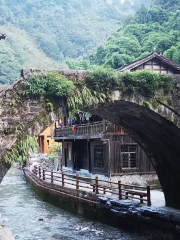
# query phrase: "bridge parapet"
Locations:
[[70, 74]]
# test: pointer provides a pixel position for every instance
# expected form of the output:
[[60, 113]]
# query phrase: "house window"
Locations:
[[98, 157], [129, 155]]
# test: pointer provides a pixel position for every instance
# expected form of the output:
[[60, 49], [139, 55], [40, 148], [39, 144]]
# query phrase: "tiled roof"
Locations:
[[146, 59]]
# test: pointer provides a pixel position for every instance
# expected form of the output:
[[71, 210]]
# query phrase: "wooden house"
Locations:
[[100, 148], [154, 62]]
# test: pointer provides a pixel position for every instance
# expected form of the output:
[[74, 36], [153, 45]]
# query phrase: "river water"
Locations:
[[30, 218]]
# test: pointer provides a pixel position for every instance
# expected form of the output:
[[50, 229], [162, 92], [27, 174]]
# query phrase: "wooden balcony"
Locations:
[[86, 131]]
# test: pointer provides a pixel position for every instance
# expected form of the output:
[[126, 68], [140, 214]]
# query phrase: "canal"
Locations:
[[29, 218]]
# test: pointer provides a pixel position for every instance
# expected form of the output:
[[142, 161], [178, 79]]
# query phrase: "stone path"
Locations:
[[157, 198]]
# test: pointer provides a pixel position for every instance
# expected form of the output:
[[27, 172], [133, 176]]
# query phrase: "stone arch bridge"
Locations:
[[155, 127]]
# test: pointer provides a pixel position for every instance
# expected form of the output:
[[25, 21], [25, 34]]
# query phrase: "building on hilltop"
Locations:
[[154, 62]]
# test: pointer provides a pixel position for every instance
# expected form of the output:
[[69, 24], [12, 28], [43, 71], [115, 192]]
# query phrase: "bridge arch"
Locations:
[[158, 137]]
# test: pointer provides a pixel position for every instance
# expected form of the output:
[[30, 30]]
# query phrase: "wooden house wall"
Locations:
[[103, 168], [156, 66], [80, 154], [143, 164]]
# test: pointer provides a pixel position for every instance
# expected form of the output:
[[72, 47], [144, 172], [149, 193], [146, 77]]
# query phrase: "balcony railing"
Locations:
[[80, 129], [89, 129]]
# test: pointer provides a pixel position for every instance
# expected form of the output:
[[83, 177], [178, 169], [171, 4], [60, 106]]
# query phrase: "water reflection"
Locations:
[[32, 219]]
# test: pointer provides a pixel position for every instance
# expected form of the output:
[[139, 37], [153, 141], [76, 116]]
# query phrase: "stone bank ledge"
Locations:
[[160, 223]]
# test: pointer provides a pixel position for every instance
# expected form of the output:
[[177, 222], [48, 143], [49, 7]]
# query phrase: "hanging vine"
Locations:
[[84, 97], [22, 150]]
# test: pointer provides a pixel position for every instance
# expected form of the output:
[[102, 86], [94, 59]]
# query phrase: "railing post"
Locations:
[[51, 176], [34, 170], [62, 174], [39, 172], [43, 174], [148, 196], [96, 182], [77, 181], [120, 192]]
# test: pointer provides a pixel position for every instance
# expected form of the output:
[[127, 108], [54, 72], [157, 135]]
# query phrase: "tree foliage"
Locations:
[[145, 82], [22, 150], [172, 5], [65, 34], [45, 34], [48, 84], [155, 28], [101, 80]]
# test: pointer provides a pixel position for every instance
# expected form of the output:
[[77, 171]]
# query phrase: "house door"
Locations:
[[98, 159]]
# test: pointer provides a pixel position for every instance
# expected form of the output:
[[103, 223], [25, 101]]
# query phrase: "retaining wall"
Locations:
[[156, 223]]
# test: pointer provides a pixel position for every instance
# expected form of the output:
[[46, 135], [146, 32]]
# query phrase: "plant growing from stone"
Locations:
[[48, 84], [22, 150], [145, 82], [52, 149], [102, 80]]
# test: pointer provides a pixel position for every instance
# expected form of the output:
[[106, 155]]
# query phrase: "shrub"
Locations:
[[49, 84], [145, 82], [101, 80]]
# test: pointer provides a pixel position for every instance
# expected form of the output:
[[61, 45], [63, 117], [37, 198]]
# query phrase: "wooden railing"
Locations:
[[80, 129], [95, 185], [87, 129]]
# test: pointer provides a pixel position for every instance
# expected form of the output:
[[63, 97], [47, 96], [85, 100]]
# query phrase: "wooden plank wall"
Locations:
[[143, 163]]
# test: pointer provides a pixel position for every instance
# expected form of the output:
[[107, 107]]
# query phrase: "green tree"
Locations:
[[173, 54], [117, 60], [142, 15], [171, 5]]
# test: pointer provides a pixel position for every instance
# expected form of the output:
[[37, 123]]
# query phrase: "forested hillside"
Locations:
[[151, 29], [47, 33]]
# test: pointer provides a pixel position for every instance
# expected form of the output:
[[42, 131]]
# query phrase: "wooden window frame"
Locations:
[[129, 153]]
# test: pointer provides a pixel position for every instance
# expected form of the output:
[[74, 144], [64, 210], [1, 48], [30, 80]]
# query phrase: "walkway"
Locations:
[[105, 188], [157, 198]]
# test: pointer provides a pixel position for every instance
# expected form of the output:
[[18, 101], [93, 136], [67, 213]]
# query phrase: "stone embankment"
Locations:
[[155, 222], [5, 233]]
